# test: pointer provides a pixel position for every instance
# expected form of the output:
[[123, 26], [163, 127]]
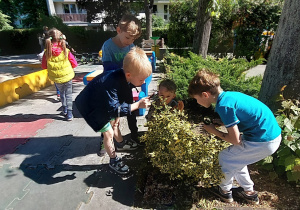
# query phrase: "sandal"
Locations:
[[119, 167]]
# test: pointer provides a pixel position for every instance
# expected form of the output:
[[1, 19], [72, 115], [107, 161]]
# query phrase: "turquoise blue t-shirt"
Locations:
[[113, 56], [253, 118]]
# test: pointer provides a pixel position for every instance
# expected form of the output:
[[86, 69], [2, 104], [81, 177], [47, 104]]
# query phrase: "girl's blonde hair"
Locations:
[[137, 63], [55, 35]]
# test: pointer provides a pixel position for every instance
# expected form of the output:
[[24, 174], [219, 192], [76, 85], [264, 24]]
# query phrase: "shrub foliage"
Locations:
[[177, 150], [231, 71], [286, 160]]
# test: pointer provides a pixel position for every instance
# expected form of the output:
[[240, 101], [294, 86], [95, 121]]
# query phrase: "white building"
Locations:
[[72, 15]]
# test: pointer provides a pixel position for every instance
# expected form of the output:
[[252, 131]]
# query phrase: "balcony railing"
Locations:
[[73, 17]]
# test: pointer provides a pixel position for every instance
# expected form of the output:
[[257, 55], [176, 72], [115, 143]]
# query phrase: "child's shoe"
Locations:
[[58, 97], [64, 111], [126, 145], [118, 166], [69, 115], [226, 197], [239, 192]]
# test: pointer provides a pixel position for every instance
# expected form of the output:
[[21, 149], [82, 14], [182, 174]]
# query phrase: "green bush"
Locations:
[[19, 41], [231, 72], [286, 160], [178, 151], [25, 41]]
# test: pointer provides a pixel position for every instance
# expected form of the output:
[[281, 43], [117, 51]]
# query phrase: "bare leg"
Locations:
[[109, 143], [117, 133]]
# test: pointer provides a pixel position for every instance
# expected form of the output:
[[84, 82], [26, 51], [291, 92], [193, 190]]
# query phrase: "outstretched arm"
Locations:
[[233, 136]]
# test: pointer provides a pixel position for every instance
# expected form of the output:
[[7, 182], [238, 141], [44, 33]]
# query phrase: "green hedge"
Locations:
[[25, 41]]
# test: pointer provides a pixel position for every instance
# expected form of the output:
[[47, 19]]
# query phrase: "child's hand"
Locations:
[[144, 102], [180, 105]]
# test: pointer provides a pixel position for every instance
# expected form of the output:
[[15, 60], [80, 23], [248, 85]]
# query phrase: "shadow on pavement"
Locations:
[[64, 159]]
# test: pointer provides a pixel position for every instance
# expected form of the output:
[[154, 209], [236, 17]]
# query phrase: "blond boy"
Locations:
[[106, 98]]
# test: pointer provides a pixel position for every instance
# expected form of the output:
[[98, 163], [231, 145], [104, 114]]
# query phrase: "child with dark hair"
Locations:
[[166, 95]]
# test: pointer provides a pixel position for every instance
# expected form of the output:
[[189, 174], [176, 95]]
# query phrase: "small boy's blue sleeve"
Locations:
[[108, 65]]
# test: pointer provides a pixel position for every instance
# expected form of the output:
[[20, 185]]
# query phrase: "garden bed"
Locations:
[[156, 190]]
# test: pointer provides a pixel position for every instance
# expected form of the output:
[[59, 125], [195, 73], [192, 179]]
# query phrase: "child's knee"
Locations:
[[107, 135], [115, 123]]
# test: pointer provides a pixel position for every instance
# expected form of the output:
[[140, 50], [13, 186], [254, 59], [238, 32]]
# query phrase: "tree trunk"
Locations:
[[203, 29], [283, 67], [148, 4]]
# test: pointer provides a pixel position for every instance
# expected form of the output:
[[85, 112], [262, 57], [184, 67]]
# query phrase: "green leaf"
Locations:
[[268, 159], [297, 124], [289, 163], [288, 124], [293, 176]]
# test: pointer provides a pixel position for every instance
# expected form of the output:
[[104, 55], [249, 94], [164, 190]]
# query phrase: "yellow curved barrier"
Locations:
[[15, 89]]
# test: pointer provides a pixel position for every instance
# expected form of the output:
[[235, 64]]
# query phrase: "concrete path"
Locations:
[[49, 163], [258, 70]]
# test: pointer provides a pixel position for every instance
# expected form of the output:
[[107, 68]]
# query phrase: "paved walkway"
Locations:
[[49, 163]]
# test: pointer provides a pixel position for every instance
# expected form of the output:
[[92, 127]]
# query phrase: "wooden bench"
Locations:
[[147, 44]]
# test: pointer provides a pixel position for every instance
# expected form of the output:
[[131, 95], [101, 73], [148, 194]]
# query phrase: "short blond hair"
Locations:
[[136, 62], [131, 25]]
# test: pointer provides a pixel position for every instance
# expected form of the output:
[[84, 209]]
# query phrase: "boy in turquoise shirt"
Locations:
[[251, 129]]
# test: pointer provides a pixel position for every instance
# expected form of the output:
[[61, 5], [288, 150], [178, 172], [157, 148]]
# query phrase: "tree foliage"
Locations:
[[250, 20], [182, 23], [4, 22], [32, 11], [8, 8], [111, 11]]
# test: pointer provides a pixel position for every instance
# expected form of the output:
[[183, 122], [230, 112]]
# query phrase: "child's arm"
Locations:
[[233, 135], [142, 103], [72, 60]]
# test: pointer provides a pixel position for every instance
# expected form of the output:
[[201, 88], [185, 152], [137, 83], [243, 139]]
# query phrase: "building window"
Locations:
[[166, 9], [70, 8], [154, 8], [81, 11], [66, 8]]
